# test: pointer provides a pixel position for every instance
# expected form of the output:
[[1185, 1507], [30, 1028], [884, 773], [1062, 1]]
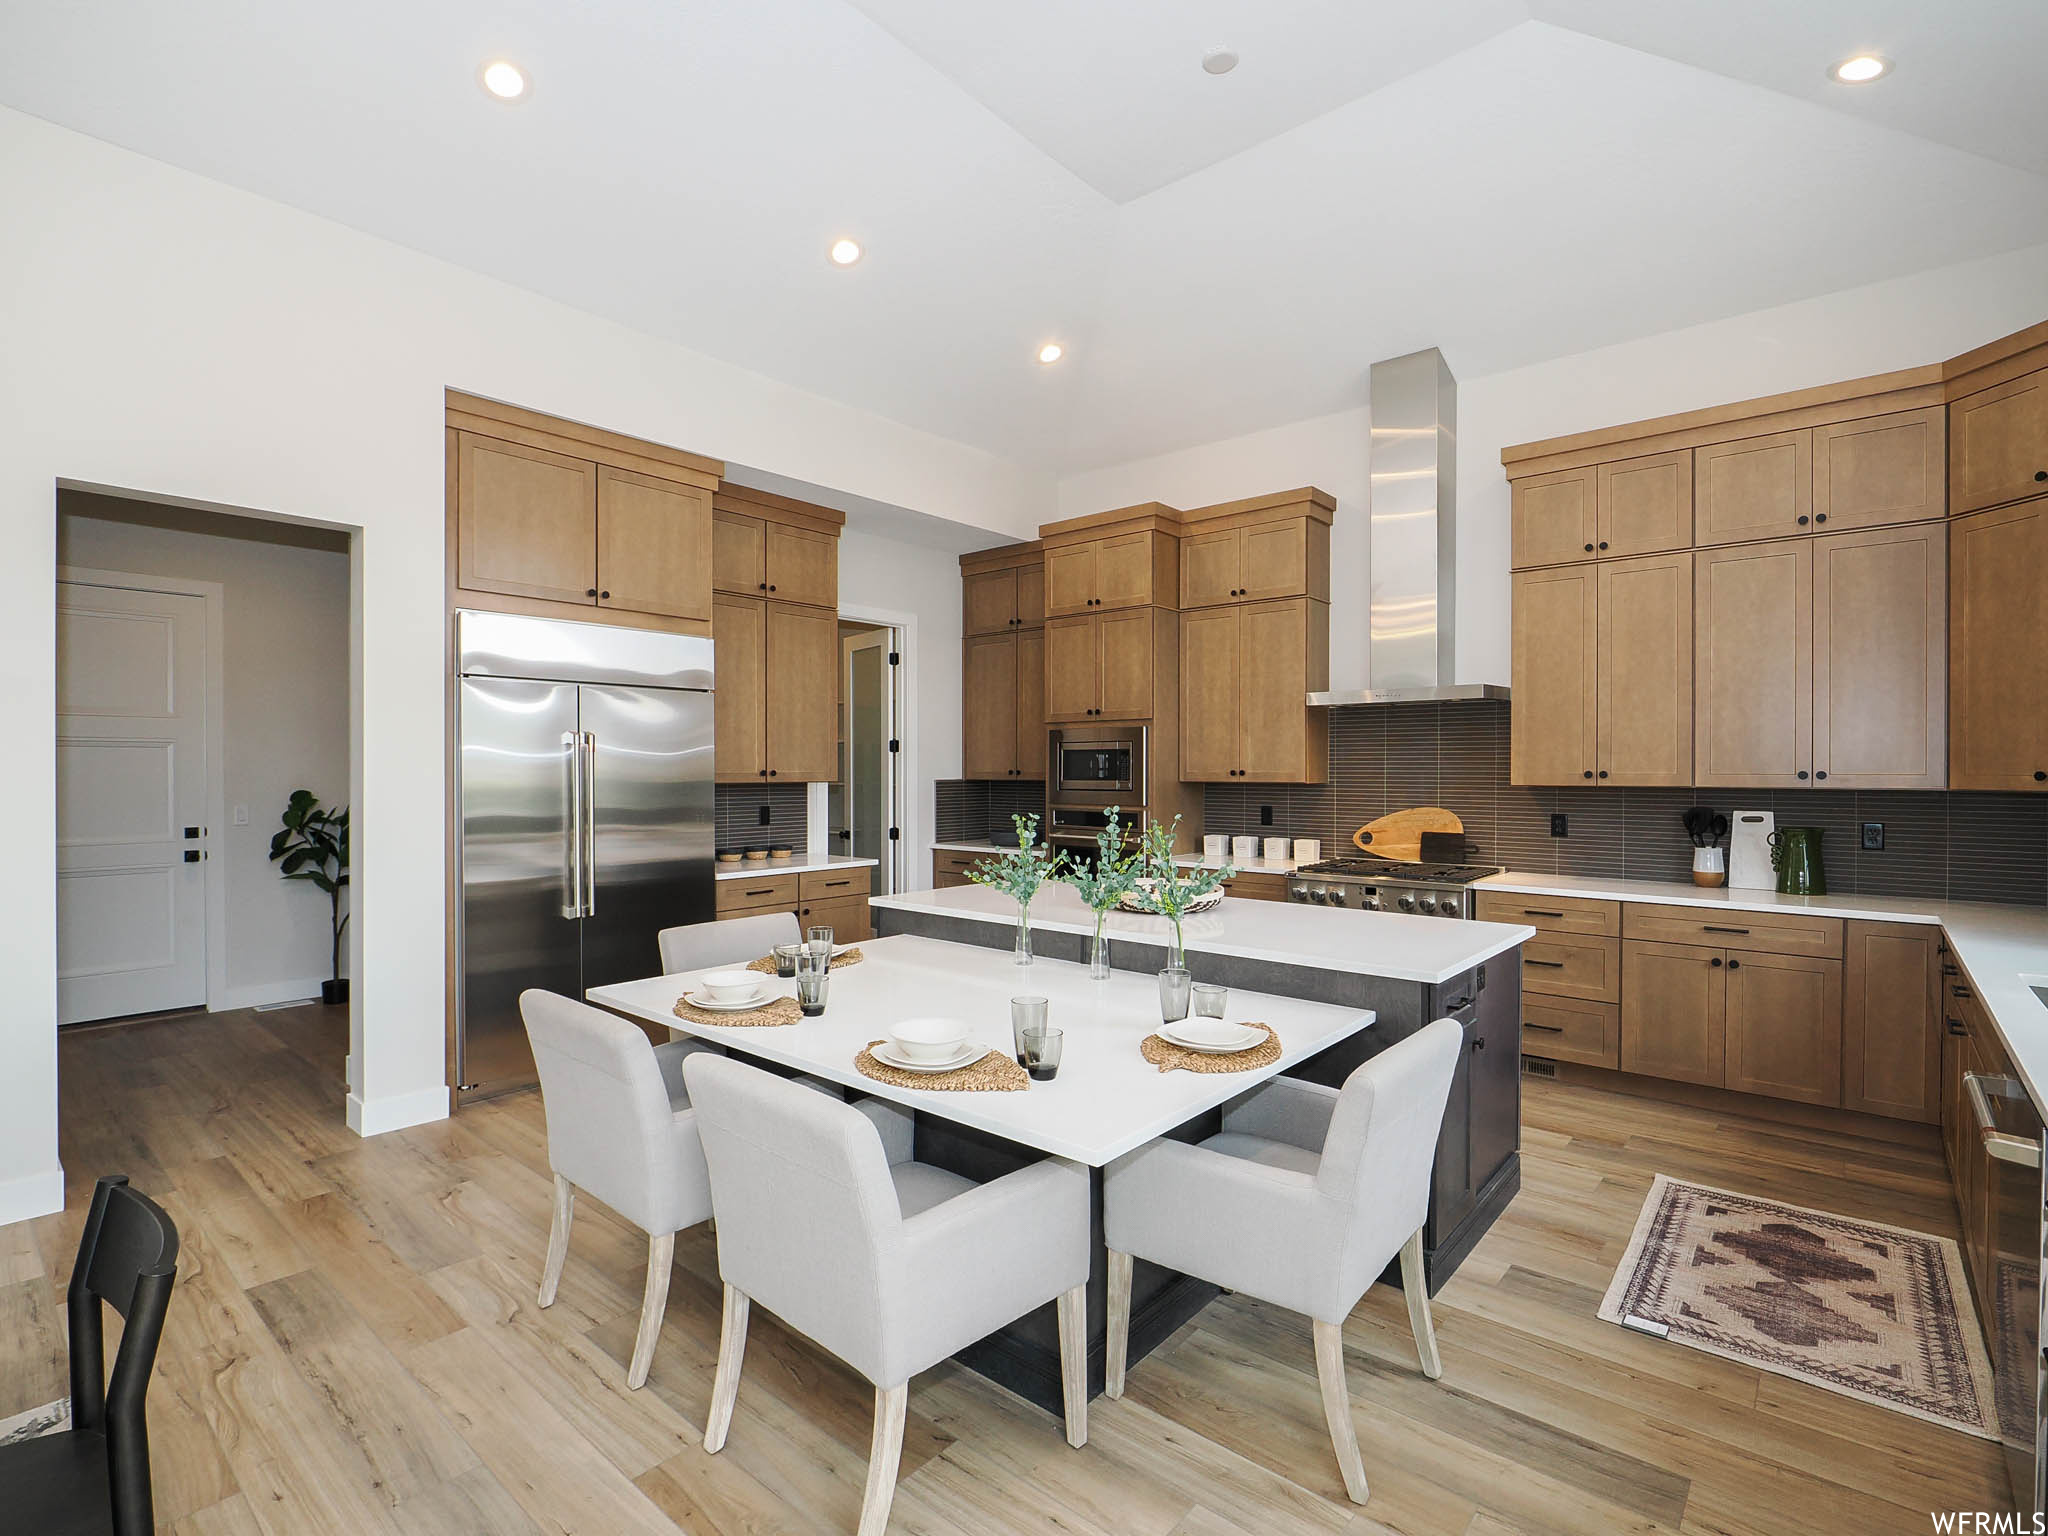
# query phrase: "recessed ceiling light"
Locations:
[[1051, 352], [1220, 61], [845, 252], [504, 80], [1861, 70]]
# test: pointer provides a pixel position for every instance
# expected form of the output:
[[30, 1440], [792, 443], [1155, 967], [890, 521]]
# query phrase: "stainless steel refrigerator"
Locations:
[[584, 796]]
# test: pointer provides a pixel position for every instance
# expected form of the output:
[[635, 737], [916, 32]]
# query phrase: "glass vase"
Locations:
[[1022, 952], [1175, 987], [1098, 954]]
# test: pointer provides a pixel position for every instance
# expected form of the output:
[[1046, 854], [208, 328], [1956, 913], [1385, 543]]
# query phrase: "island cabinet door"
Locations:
[[1674, 1012], [1784, 1035], [1072, 686], [988, 712], [1555, 706], [1212, 694], [1753, 665]]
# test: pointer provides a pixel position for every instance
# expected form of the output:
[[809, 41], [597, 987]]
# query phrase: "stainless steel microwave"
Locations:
[[1098, 767]]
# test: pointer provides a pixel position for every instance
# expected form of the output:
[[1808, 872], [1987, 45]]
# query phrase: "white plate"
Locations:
[[1250, 1038], [889, 1056], [765, 994]]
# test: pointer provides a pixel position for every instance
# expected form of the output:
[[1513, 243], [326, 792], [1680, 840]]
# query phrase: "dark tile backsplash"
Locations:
[[739, 815], [969, 810], [1962, 846]]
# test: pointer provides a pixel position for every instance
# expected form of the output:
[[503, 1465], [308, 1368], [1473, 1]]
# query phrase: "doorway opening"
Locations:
[[864, 804], [203, 677]]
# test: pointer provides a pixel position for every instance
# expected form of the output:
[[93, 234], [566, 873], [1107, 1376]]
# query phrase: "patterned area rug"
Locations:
[[36, 1422], [1870, 1311]]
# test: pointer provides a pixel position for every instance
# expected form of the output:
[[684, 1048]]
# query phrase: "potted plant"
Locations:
[[313, 845], [1112, 877], [1018, 873], [1173, 892]]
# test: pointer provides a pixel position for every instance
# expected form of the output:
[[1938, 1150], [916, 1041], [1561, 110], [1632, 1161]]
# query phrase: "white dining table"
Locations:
[[1106, 1100]]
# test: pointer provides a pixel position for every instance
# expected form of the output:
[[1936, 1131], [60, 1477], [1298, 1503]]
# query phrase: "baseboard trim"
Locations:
[[40, 1194], [373, 1117], [1756, 1106], [306, 989]]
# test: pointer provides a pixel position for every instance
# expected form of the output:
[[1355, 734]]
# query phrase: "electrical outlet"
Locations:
[[1560, 824], [241, 815], [1265, 815], [1873, 836], [765, 815]]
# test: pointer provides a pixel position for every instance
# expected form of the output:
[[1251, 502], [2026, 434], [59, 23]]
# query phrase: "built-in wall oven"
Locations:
[[1098, 766]]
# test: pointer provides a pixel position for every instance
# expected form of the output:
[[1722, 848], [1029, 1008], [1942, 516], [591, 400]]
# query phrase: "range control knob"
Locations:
[[1370, 903], [1298, 893], [1426, 905], [1406, 903], [1320, 898]]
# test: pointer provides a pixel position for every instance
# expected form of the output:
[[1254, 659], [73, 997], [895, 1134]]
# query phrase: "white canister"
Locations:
[[1243, 849], [1215, 847], [1308, 850], [1276, 850]]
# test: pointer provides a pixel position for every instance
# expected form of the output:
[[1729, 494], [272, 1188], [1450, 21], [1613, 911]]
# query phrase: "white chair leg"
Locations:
[[725, 1384], [1116, 1343], [1073, 1312], [1416, 1288], [661, 1258], [884, 1452], [558, 1240], [1337, 1406]]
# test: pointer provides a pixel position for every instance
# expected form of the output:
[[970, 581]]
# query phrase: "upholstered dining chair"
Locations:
[[734, 941], [620, 1128], [1301, 1200], [826, 1219], [94, 1476]]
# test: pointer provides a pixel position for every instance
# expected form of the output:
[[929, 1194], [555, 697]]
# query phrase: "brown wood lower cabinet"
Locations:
[[1256, 885], [834, 898], [1571, 1029], [1891, 1021], [1573, 965], [846, 916], [950, 865], [1674, 1012], [1784, 1027]]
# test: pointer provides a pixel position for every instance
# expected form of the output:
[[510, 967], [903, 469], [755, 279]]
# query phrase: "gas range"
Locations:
[[1384, 885]]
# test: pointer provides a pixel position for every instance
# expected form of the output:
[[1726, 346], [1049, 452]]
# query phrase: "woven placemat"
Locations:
[[766, 964], [994, 1073], [783, 1010], [1165, 1055]]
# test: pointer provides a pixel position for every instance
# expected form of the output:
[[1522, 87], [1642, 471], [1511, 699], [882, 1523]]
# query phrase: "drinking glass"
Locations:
[[1042, 1052], [813, 971], [1210, 1000], [785, 959], [819, 938], [1174, 987], [1025, 1013]]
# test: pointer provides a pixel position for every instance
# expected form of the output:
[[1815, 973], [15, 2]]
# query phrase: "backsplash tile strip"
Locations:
[[738, 814], [969, 810], [1954, 845]]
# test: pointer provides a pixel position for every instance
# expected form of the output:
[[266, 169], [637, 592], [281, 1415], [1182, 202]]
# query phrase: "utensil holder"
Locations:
[[1710, 866]]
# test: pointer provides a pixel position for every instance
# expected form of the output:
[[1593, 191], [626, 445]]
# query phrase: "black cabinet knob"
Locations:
[[771, 586], [1603, 543], [606, 596], [1479, 1042], [1589, 773], [2041, 474], [764, 586], [1603, 773], [774, 773], [1802, 773], [1715, 962], [1820, 517], [590, 592], [2039, 776], [1821, 774], [1802, 519], [1734, 965], [1589, 549], [764, 773]]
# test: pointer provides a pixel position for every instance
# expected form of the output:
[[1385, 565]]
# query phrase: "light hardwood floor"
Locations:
[[354, 1347]]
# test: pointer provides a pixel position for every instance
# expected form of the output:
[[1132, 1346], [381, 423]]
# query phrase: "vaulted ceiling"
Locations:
[[1509, 180]]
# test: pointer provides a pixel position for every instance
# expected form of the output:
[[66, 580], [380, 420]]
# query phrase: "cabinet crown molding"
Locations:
[[1306, 501], [534, 429], [1148, 515], [1004, 557], [766, 505]]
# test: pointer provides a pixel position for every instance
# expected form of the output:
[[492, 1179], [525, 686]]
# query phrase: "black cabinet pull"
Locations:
[[1539, 912], [1556, 965], [1958, 1027], [1548, 1029], [760, 890], [1948, 970], [1961, 994], [1710, 928], [1715, 962]]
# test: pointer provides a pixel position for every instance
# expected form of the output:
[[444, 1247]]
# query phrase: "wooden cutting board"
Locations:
[[1399, 836]]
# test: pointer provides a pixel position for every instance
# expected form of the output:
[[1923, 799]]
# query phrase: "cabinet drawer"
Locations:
[[1571, 1029], [1552, 914], [1256, 886], [846, 916], [953, 864], [765, 894], [1776, 933], [825, 884], [1573, 965]]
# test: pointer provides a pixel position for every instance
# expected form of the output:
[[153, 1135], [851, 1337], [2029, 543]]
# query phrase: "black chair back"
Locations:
[[128, 1259]]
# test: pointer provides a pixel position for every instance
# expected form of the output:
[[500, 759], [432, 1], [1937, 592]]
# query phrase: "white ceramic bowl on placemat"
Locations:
[[965, 1055], [729, 986], [1212, 1035], [699, 998], [927, 1040]]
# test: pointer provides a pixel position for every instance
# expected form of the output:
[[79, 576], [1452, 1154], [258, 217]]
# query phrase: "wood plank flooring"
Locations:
[[354, 1347]]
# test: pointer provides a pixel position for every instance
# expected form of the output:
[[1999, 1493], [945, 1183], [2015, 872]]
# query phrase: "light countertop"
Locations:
[[795, 865], [1107, 1098], [1242, 866], [1390, 944], [2002, 950]]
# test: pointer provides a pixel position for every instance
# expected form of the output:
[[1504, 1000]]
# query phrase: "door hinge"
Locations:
[[895, 745], [895, 659], [895, 833]]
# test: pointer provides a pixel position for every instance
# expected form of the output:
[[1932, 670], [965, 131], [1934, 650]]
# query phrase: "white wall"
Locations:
[[1900, 324], [284, 673], [169, 335]]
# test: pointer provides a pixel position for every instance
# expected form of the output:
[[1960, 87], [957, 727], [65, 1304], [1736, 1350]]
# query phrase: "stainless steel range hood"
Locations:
[[1412, 508]]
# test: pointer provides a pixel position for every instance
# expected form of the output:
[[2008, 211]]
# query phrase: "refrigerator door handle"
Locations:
[[587, 827], [572, 894]]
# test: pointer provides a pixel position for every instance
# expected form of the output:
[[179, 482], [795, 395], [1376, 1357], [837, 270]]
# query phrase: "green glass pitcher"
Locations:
[[1795, 855]]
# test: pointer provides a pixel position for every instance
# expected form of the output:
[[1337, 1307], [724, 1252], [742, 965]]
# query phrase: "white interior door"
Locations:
[[131, 792], [868, 726]]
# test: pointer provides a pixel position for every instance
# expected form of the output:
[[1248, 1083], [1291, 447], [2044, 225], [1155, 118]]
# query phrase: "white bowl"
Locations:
[[929, 1039], [1199, 1031], [729, 986]]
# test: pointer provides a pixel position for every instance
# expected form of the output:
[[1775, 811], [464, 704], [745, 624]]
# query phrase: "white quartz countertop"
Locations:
[[1390, 944], [795, 865], [2001, 950], [1242, 866], [1106, 1099]]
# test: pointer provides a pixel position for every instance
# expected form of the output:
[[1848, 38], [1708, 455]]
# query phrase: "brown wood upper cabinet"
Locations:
[[1603, 673], [1881, 470], [652, 537], [775, 707], [1998, 648], [1645, 505], [1116, 571], [998, 601], [1100, 666], [1003, 706], [1753, 488], [1891, 1021], [1554, 518], [1286, 557], [765, 558], [1998, 444], [1246, 671]]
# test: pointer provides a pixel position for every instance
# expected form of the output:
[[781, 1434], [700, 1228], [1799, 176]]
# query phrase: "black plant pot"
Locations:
[[332, 992]]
